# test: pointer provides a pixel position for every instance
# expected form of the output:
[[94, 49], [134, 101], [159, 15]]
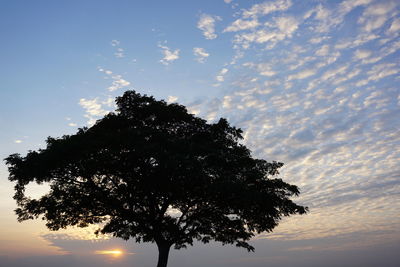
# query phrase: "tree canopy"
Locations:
[[155, 173]]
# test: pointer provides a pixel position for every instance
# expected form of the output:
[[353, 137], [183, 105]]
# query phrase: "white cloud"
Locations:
[[323, 51], [325, 18], [280, 29], [239, 25], [207, 25], [287, 25], [267, 7], [317, 40], [374, 23], [302, 74], [119, 53], [117, 83], [169, 56], [72, 124], [115, 43], [348, 5], [228, 1], [379, 72], [357, 41], [94, 108], [329, 74], [264, 69], [322, 13], [221, 74], [336, 124], [343, 78], [383, 70], [394, 26], [172, 99], [361, 54], [200, 54], [375, 16], [18, 141], [379, 9]]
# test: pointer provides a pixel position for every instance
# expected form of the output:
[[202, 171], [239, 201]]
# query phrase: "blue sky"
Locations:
[[314, 84]]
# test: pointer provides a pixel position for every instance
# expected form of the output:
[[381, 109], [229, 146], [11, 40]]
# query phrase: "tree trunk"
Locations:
[[163, 251]]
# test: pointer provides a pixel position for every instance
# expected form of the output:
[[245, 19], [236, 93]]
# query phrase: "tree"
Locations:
[[155, 173]]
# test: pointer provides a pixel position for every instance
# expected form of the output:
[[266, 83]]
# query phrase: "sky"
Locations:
[[313, 84]]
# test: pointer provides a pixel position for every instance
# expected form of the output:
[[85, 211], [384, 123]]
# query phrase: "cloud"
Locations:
[[287, 25], [348, 5], [362, 54], [200, 54], [240, 25], [264, 69], [169, 55], [375, 16], [336, 109], [72, 124], [394, 26], [279, 29], [302, 74], [359, 40], [18, 141], [323, 51], [221, 74], [117, 83], [119, 53], [92, 107], [317, 40], [95, 108], [115, 43], [206, 24], [267, 7], [172, 99]]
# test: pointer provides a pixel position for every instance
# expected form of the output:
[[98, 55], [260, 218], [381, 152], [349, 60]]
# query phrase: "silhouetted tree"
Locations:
[[153, 172]]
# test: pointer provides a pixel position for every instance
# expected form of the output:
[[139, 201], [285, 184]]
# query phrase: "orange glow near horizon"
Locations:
[[114, 252]]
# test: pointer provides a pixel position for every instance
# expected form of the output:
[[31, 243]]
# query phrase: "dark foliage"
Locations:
[[133, 166]]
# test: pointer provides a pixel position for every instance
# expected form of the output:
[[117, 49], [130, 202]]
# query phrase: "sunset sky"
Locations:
[[313, 84]]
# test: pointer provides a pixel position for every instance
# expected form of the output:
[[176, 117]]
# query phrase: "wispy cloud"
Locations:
[[302, 74], [267, 7], [206, 24], [221, 75], [96, 108], [119, 52], [240, 24], [169, 55], [277, 30], [375, 15], [394, 27], [172, 99], [117, 81], [200, 54]]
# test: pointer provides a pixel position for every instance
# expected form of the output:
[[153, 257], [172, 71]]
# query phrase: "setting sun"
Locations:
[[115, 252]]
